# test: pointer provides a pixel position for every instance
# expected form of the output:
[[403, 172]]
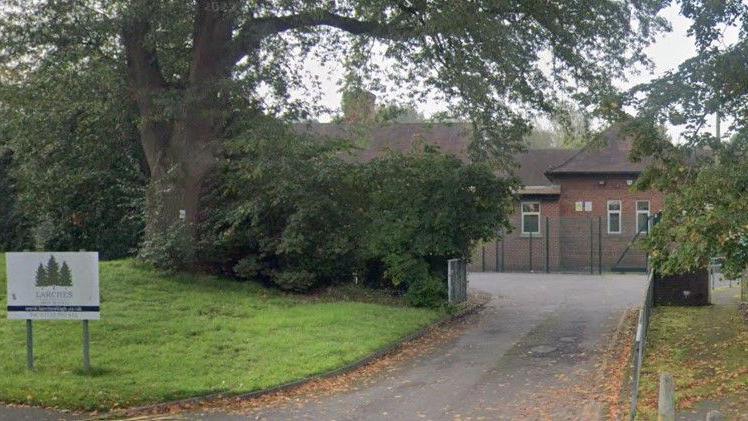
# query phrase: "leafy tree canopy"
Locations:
[[703, 175], [196, 69]]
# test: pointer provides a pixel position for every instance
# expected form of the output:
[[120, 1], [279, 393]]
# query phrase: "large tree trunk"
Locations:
[[177, 177], [181, 147]]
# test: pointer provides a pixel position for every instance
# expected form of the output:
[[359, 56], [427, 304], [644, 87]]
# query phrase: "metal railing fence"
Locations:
[[640, 342]]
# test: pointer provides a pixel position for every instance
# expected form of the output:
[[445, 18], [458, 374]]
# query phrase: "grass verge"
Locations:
[[706, 351], [167, 337]]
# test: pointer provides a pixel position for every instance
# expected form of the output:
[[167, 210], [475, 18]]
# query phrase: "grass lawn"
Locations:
[[706, 351], [169, 337]]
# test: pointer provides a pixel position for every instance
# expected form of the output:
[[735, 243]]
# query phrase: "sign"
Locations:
[[579, 206], [53, 286], [588, 206]]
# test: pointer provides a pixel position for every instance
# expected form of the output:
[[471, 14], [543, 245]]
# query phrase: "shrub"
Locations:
[[292, 211], [171, 250], [284, 209]]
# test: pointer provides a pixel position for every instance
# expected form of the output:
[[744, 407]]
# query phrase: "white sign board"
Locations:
[[53, 286]]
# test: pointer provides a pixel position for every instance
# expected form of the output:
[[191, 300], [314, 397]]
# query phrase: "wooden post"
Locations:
[[666, 401]]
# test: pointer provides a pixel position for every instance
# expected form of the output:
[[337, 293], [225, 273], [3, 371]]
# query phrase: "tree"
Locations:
[[704, 176], [14, 227], [199, 69], [53, 272], [41, 276], [66, 277], [74, 167]]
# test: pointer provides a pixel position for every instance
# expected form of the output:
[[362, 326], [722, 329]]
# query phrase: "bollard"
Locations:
[[666, 401]]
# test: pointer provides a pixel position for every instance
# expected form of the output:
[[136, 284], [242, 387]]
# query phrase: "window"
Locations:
[[614, 216], [643, 224], [530, 218]]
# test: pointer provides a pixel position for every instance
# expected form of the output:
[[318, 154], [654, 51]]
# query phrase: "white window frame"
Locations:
[[646, 212], [523, 213], [612, 212]]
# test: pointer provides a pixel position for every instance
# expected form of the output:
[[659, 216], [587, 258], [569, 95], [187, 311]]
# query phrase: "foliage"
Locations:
[[703, 176], [284, 208], [170, 251], [77, 162], [14, 229], [166, 337], [194, 68], [426, 207], [568, 127], [298, 212], [704, 349]]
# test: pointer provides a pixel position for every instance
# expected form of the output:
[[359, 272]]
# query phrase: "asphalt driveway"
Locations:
[[528, 355]]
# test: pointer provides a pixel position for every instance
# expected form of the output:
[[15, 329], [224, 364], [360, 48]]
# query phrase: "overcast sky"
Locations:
[[670, 50]]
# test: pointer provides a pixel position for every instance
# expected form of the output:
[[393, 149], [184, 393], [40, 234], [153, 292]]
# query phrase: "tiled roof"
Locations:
[[608, 156], [534, 166]]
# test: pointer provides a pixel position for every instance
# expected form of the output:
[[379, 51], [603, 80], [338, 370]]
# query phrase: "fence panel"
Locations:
[[457, 281], [640, 342], [583, 243]]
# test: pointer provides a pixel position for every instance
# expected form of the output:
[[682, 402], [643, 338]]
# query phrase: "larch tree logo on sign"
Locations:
[[54, 274]]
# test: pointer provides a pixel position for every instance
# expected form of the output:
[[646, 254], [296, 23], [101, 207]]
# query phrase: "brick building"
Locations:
[[576, 210]]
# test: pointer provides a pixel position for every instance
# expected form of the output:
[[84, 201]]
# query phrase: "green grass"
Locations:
[[170, 337], [706, 351]]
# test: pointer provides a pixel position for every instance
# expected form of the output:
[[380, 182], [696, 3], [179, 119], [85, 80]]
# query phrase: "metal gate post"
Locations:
[[592, 264], [531, 252], [502, 254], [547, 239], [600, 245], [483, 258], [496, 255]]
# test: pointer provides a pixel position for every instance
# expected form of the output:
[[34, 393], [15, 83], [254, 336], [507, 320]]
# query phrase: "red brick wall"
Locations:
[[599, 190], [512, 252], [570, 242]]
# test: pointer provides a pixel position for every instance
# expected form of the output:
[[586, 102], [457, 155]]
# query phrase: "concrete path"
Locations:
[[529, 355]]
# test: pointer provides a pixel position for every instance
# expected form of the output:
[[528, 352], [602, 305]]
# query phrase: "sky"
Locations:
[[667, 53]]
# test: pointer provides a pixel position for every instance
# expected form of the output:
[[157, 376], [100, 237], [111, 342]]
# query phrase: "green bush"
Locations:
[[301, 214], [424, 208], [78, 164], [171, 250], [283, 209]]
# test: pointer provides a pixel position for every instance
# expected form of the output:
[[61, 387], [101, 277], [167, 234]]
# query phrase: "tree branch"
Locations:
[[255, 30], [146, 81]]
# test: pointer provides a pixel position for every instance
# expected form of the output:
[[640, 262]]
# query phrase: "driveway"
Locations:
[[529, 355]]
